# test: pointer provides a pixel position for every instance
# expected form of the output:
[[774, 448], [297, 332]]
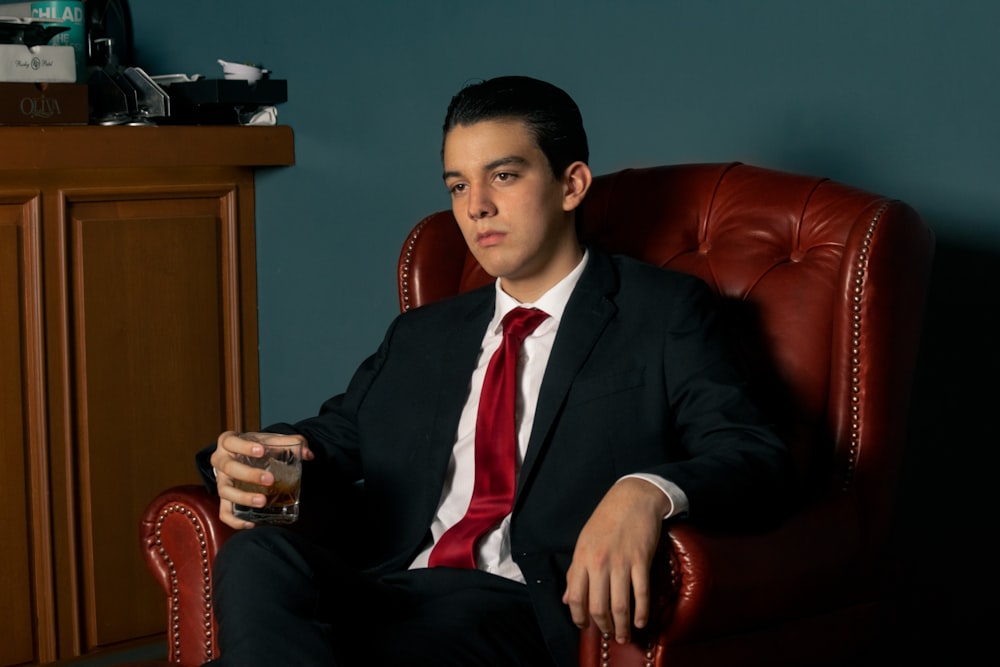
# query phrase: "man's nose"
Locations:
[[480, 204]]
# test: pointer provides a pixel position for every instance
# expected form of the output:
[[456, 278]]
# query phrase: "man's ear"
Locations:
[[576, 183]]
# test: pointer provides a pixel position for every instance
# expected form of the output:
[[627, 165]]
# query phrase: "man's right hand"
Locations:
[[228, 468]]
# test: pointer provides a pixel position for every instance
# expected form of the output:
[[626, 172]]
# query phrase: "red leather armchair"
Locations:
[[826, 287]]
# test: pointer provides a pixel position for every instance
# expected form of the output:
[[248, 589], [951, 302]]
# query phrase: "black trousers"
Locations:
[[282, 600]]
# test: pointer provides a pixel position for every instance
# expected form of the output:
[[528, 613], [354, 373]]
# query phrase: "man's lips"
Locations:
[[489, 238]]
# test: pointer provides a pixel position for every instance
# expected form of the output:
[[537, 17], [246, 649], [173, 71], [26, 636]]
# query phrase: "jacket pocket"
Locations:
[[592, 387]]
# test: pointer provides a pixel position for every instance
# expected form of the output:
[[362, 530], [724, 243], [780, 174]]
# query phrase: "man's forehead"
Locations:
[[488, 144]]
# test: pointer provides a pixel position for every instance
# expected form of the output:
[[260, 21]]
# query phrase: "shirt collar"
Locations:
[[552, 302]]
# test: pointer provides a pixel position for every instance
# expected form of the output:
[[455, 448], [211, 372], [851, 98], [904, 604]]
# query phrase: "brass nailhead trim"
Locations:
[[856, 329], [408, 263], [175, 629], [606, 651]]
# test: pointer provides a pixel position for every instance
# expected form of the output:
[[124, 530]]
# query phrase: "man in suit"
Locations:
[[628, 412]]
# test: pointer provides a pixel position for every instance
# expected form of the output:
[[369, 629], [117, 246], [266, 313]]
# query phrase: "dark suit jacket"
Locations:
[[638, 380]]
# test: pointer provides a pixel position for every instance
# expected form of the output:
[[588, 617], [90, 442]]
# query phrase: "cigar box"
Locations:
[[43, 103]]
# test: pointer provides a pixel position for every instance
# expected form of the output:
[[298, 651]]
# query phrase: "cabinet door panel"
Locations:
[[24, 547], [154, 285], [15, 564]]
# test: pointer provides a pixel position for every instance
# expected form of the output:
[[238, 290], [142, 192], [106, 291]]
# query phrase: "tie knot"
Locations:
[[520, 322]]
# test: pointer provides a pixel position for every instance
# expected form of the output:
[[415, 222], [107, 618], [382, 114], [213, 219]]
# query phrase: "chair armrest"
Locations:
[[814, 561], [180, 536], [710, 586]]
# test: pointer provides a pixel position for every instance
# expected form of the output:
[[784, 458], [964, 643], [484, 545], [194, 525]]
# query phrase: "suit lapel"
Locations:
[[458, 350], [587, 314]]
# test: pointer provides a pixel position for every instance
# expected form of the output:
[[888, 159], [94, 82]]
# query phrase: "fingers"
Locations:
[[228, 466], [307, 454], [230, 471], [594, 594], [577, 596], [229, 494], [230, 445], [603, 597], [609, 574], [227, 517], [640, 596], [620, 605]]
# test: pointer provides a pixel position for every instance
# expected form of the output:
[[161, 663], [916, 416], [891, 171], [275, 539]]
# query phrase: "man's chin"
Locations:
[[492, 264]]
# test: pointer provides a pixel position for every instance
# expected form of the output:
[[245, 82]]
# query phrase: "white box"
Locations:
[[16, 9], [38, 64]]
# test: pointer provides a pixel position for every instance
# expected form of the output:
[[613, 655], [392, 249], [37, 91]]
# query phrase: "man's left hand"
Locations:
[[612, 559]]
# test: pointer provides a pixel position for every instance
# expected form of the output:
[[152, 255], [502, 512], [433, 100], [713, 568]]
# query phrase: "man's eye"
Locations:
[[505, 176], [458, 188]]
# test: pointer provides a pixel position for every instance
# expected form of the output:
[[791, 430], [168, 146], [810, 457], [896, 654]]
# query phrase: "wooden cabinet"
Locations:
[[128, 338]]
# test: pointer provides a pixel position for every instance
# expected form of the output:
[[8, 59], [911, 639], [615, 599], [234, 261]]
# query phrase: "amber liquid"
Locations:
[[282, 502]]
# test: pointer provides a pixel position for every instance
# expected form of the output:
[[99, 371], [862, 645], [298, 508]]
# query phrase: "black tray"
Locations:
[[214, 101], [264, 92]]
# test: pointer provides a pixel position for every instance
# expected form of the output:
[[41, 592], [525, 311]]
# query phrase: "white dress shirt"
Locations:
[[493, 552]]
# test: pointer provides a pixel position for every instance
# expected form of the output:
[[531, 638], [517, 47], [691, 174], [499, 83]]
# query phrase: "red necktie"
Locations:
[[496, 447]]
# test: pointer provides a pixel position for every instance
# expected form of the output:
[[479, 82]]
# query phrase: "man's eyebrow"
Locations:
[[489, 166], [504, 161]]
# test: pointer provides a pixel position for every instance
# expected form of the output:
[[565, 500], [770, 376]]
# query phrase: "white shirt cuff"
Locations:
[[678, 500]]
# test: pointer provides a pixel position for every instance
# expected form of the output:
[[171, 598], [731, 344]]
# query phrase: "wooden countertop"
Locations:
[[93, 146]]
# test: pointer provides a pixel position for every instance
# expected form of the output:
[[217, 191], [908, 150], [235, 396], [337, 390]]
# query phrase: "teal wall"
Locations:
[[896, 96]]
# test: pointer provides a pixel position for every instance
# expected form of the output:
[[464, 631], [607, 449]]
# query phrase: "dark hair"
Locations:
[[549, 112]]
